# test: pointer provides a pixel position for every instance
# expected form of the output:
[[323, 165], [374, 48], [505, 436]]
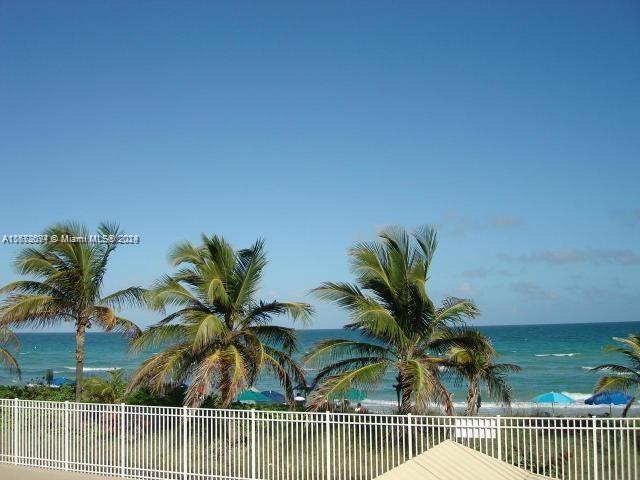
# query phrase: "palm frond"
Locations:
[[276, 336], [9, 338], [159, 335], [422, 381], [126, 327], [427, 239], [169, 292], [167, 368], [365, 377], [332, 350], [205, 375], [624, 384], [186, 252], [131, 296], [339, 367], [285, 368], [9, 362], [33, 310], [456, 310], [209, 330]]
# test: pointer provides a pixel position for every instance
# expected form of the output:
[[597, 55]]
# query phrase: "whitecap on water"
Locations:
[[557, 354], [95, 369]]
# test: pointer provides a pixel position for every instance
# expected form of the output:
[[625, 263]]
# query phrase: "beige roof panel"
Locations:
[[451, 461]]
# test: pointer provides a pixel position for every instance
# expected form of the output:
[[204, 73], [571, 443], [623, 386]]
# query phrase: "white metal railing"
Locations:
[[185, 443]]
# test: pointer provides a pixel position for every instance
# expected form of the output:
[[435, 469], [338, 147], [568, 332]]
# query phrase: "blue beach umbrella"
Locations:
[[553, 397], [275, 397], [608, 398], [60, 381]]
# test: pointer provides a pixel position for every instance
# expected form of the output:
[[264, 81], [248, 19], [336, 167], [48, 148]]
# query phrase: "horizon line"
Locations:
[[342, 328]]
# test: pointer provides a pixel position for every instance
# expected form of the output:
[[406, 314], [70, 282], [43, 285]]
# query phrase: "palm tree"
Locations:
[[105, 390], [219, 338], [475, 363], [404, 331], [622, 377], [9, 340], [67, 274]]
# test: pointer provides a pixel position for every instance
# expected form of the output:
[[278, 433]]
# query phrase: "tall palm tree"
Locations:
[[404, 331], [66, 286], [9, 340], [219, 337], [622, 377], [475, 363]]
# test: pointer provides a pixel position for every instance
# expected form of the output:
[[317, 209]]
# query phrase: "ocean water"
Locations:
[[552, 357]]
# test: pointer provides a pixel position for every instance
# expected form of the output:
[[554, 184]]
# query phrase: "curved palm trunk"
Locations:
[[80, 335], [627, 407], [473, 393]]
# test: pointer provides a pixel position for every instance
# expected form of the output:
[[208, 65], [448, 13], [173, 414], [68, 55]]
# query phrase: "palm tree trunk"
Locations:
[[405, 404], [80, 335], [472, 398], [627, 407]]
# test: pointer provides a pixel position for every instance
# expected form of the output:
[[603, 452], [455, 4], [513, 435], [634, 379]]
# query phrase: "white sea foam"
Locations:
[[577, 396], [557, 354], [95, 369]]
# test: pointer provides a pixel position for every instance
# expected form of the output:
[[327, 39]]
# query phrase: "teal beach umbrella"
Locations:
[[553, 397], [252, 396]]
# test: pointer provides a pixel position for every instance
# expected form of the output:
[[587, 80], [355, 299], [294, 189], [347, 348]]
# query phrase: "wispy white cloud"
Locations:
[[480, 272], [483, 272], [506, 222], [627, 217], [466, 290], [533, 290], [455, 223], [571, 255]]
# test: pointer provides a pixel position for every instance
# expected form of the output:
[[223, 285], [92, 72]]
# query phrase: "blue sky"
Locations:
[[514, 127]]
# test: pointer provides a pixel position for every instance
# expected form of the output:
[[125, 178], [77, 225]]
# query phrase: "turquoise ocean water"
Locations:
[[552, 357]]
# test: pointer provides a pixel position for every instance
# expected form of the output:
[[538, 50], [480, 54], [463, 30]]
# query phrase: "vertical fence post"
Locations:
[[66, 435], [409, 436], [499, 435], [185, 445], [327, 432], [122, 440], [253, 444], [595, 448], [15, 431]]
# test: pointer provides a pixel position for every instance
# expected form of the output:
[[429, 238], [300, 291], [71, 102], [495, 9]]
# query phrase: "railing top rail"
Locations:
[[340, 416]]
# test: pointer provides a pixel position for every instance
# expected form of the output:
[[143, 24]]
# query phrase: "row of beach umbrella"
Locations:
[[254, 396], [602, 398]]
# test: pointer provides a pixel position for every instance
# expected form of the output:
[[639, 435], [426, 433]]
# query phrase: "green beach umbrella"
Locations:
[[252, 396]]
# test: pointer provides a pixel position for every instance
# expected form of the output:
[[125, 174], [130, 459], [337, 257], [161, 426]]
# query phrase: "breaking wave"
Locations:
[[557, 354], [95, 369]]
